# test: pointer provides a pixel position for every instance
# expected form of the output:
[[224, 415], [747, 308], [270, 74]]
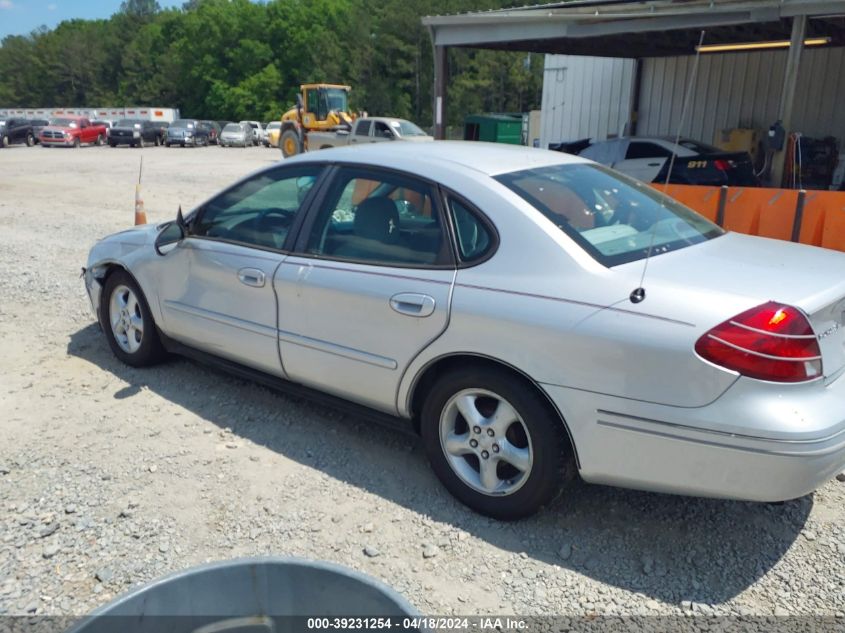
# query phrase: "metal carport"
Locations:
[[640, 29]]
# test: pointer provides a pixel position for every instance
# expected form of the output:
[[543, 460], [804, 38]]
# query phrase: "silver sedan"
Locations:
[[533, 315]]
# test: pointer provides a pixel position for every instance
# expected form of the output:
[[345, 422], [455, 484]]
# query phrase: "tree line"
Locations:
[[238, 59]]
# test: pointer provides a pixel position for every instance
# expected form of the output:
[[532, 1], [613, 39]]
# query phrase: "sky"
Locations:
[[19, 17]]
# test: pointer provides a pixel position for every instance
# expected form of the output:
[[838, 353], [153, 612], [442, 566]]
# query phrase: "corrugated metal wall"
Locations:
[[742, 90], [585, 96]]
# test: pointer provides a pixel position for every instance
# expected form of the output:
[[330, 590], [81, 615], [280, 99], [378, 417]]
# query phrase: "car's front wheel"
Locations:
[[128, 323], [495, 443]]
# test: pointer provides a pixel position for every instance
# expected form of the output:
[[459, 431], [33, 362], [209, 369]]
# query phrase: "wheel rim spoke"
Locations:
[[504, 416], [126, 319], [519, 458], [466, 406], [458, 444], [487, 474]]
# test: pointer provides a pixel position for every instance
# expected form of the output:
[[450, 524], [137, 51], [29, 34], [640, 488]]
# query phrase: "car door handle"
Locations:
[[251, 277], [655, 164], [412, 304]]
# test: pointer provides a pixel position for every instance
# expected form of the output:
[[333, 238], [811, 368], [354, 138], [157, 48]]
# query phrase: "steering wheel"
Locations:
[[276, 228]]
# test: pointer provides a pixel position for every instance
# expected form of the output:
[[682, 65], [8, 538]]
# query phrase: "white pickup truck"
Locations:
[[368, 130]]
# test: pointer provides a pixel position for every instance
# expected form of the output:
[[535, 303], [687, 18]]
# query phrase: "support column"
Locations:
[[634, 113], [439, 106], [790, 84]]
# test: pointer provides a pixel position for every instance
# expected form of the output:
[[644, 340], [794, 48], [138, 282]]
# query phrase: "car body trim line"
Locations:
[[697, 429], [298, 262], [747, 449], [337, 350], [587, 304], [241, 324]]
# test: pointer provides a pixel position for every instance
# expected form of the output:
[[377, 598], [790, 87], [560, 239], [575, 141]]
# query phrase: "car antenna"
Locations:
[[638, 294]]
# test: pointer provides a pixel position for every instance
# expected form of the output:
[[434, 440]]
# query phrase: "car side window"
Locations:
[[473, 237], [380, 218], [259, 211], [382, 130], [638, 149], [363, 128]]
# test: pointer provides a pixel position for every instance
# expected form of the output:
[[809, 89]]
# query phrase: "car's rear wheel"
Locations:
[[99, 142], [495, 443], [128, 323], [30, 140], [76, 142], [157, 141]]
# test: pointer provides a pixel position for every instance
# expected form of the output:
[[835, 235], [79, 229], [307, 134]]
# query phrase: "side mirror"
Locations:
[[171, 235]]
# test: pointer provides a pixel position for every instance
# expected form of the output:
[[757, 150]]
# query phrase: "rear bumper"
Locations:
[[770, 444]]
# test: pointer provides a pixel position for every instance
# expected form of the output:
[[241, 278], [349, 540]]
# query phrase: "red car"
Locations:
[[72, 131]]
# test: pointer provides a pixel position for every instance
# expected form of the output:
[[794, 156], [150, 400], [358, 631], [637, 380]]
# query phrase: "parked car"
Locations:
[[17, 131], [135, 133], [37, 126], [648, 160], [482, 293], [256, 131], [369, 130], [186, 132], [213, 128], [273, 131], [236, 135], [72, 131], [106, 124]]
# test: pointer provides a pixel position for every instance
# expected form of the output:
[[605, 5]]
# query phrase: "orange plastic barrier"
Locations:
[[703, 199], [764, 212], [770, 212]]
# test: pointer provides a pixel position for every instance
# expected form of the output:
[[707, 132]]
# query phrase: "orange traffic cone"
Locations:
[[140, 214]]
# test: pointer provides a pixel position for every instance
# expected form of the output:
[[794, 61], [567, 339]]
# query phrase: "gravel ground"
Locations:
[[112, 476]]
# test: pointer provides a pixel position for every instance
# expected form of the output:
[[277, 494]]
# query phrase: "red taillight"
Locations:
[[770, 342], [722, 165]]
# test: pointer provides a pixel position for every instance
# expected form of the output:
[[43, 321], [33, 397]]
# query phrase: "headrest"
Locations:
[[377, 219]]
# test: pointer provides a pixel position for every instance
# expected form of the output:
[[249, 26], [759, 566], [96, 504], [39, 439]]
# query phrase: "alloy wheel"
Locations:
[[126, 319], [486, 442]]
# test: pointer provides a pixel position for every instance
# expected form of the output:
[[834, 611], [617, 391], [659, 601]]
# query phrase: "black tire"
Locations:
[[150, 350], [167, 144], [141, 142], [112, 144], [542, 432], [157, 141], [76, 143], [30, 140], [99, 141]]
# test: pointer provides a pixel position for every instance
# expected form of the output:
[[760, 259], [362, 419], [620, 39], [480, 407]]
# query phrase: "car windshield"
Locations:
[[64, 122], [233, 127], [182, 123], [336, 99], [616, 219], [128, 123], [406, 128]]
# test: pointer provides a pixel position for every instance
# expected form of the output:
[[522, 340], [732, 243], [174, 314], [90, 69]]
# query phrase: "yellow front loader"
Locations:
[[319, 108]]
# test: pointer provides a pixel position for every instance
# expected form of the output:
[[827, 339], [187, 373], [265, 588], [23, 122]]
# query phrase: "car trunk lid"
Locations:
[[735, 272]]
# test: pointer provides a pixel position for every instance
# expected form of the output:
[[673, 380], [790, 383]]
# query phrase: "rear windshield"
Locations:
[[233, 127], [183, 123], [128, 123], [616, 219]]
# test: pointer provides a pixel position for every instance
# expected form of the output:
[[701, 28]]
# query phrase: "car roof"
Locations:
[[488, 158]]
